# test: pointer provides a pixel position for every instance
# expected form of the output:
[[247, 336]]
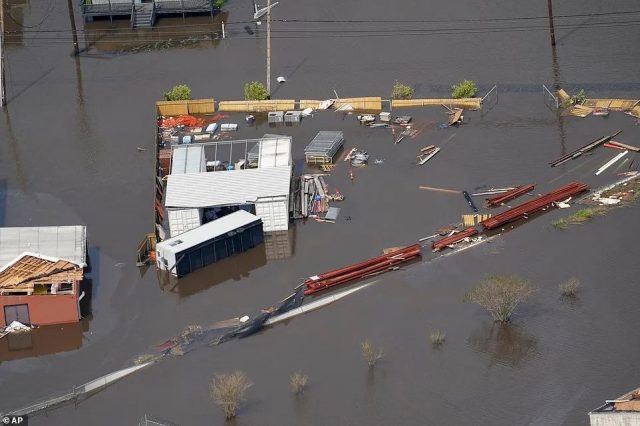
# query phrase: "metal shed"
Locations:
[[231, 234], [275, 117], [292, 116], [323, 147]]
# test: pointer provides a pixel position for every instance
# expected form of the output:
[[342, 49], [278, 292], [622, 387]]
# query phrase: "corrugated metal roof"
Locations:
[[62, 242], [226, 188], [187, 159], [208, 231]]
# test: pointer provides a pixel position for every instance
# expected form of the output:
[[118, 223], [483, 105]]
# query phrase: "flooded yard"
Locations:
[[68, 155]]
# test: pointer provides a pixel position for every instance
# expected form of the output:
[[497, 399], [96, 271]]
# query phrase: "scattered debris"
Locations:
[[563, 204], [455, 117], [332, 214], [249, 119], [281, 79], [366, 118], [426, 155], [14, 327], [307, 112], [345, 107], [579, 111], [578, 152], [326, 104], [624, 146], [385, 117], [229, 127], [402, 120], [453, 239], [378, 126], [470, 201], [449, 191], [378, 161], [611, 162], [601, 112], [492, 191], [327, 167], [474, 219], [509, 195], [359, 158]]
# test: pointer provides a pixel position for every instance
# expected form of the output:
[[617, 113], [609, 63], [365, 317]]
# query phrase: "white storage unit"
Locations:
[[274, 212], [183, 220], [231, 234]]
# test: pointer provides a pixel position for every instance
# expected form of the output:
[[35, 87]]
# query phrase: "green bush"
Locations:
[[181, 92], [219, 3], [401, 91], [464, 89], [255, 91]]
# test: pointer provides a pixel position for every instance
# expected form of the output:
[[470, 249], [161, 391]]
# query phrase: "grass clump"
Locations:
[[298, 382], [255, 91], [370, 354], [401, 91], [560, 224], [437, 338], [569, 288], [464, 89]]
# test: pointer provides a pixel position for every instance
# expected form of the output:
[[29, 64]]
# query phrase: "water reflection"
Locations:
[[507, 344], [235, 268], [41, 341]]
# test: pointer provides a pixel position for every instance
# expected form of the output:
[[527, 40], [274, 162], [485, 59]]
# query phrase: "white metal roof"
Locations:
[[187, 159], [226, 188], [275, 151], [63, 242], [208, 231]]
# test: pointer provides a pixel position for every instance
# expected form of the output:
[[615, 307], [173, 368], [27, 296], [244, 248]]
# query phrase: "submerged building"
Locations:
[[41, 271], [622, 411]]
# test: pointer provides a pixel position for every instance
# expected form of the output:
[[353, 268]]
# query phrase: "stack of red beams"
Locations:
[[534, 205], [362, 269], [452, 239], [509, 195]]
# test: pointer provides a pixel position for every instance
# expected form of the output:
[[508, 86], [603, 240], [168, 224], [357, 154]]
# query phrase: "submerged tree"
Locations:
[[464, 89], [500, 295], [298, 382], [371, 354], [255, 91], [569, 288], [228, 391], [401, 91], [180, 92]]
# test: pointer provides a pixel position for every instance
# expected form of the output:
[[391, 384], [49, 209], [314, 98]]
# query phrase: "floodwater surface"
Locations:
[[68, 155]]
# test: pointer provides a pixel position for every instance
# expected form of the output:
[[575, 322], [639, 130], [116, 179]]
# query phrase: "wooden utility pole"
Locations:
[[551, 29], [268, 47], [72, 18], [3, 92]]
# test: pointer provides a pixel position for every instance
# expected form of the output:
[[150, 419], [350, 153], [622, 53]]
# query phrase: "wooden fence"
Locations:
[[257, 106], [467, 103], [194, 106]]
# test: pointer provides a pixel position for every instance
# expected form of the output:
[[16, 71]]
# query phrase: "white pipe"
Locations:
[[611, 162]]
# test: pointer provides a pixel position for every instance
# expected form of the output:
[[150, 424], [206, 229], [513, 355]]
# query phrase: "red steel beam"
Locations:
[[533, 206], [509, 195], [452, 239], [371, 266]]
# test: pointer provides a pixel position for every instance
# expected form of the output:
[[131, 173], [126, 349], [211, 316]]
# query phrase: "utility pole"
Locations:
[[551, 29], [3, 92], [72, 19], [268, 47]]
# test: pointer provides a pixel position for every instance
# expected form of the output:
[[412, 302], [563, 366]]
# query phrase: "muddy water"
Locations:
[[68, 155]]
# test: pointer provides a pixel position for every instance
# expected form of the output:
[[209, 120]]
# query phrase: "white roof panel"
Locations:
[[208, 231], [63, 242], [275, 152], [187, 159], [226, 188]]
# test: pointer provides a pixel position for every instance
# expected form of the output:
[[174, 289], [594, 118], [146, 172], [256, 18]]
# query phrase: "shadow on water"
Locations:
[[505, 344], [90, 282]]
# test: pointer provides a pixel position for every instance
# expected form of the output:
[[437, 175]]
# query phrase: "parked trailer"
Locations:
[[231, 234]]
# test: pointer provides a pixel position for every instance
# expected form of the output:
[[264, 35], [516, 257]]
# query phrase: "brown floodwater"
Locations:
[[68, 155]]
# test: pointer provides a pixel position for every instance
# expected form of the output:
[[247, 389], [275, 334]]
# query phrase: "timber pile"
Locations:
[[386, 262], [314, 195], [525, 209], [452, 239], [498, 200]]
